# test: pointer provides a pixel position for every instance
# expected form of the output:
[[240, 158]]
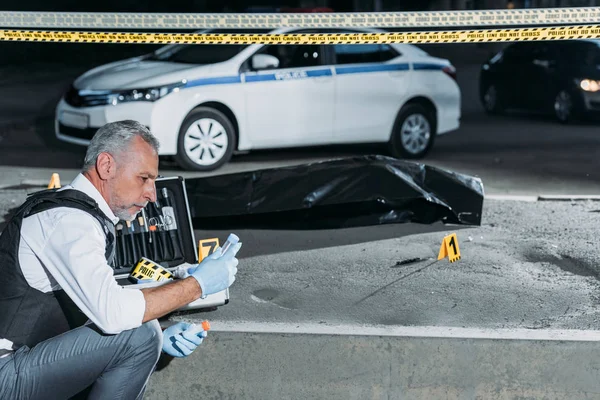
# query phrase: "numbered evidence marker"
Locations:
[[450, 248], [206, 247]]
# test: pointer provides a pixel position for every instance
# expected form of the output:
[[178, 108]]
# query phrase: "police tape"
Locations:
[[147, 269], [469, 36], [152, 21]]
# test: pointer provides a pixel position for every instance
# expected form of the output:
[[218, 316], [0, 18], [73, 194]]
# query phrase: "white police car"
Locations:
[[205, 102]]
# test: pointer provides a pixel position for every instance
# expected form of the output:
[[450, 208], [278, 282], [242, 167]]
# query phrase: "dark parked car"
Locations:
[[561, 77]]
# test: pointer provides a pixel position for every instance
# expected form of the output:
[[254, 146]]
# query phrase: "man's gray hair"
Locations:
[[114, 138]]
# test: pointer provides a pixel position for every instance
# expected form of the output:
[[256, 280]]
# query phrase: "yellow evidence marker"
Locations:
[[54, 181], [206, 247], [450, 248]]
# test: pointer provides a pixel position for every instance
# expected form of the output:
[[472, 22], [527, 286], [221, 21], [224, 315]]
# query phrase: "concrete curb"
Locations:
[[565, 197], [543, 197], [33, 183], [511, 197]]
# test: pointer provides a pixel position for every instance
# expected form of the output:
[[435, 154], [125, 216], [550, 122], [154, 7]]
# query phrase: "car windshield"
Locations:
[[202, 53]]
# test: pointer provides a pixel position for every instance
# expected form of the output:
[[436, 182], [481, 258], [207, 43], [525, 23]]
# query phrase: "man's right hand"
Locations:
[[216, 272]]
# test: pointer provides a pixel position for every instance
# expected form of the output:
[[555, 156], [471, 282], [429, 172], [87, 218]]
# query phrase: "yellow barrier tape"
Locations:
[[470, 36], [147, 21], [148, 269]]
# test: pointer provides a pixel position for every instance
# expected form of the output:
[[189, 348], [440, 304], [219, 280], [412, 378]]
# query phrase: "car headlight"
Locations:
[[589, 85], [145, 94]]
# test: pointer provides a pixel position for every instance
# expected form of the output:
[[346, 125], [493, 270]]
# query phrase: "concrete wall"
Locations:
[[280, 366]]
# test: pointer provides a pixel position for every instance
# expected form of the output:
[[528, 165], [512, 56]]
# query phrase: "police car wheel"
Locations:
[[414, 132], [206, 140]]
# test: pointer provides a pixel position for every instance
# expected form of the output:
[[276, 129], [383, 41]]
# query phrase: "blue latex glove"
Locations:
[[217, 271], [179, 343]]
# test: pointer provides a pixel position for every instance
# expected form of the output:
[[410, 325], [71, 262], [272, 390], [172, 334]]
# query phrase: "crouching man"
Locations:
[[66, 326]]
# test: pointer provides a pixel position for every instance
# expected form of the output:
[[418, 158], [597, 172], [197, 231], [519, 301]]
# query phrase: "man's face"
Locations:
[[133, 186]]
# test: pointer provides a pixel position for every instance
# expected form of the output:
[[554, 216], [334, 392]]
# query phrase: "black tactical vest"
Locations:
[[28, 316]]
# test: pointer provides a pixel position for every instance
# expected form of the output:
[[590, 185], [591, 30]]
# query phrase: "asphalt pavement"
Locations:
[[529, 265]]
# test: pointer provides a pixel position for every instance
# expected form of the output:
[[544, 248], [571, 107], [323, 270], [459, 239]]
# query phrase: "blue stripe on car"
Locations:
[[220, 80], [427, 66], [319, 72], [291, 75], [371, 68], [303, 74], [260, 78]]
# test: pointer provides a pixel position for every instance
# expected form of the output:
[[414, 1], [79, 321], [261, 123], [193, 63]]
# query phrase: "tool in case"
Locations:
[[162, 234]]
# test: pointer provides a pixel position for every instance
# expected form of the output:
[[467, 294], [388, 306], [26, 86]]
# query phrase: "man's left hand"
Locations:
[[179, 343]]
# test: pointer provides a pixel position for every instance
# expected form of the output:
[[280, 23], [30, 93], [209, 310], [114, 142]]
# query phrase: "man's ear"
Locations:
[[106, 166]]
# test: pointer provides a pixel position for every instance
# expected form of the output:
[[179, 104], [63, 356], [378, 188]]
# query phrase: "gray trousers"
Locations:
[[83, 360]]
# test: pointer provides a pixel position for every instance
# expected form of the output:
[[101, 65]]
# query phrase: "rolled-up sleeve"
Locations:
[[73, 253]]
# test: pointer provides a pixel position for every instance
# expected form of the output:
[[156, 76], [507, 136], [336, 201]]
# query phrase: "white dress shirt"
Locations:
[[64, 248]]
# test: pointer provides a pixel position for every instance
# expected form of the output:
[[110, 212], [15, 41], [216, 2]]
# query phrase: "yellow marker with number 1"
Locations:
[[450, 248]]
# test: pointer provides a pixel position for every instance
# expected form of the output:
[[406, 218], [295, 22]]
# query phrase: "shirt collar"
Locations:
[[82, 184]]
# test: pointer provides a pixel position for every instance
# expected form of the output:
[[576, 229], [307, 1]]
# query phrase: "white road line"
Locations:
[[511, 197], [403, 331], [543, 197], [568, 197]]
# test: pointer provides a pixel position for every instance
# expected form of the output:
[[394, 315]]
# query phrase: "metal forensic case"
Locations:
[[172, 244]]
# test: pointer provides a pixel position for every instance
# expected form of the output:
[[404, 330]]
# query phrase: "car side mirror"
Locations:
[[264, 61]]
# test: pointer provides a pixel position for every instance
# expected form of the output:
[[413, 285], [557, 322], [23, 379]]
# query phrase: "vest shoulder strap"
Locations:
[[52, 198]]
